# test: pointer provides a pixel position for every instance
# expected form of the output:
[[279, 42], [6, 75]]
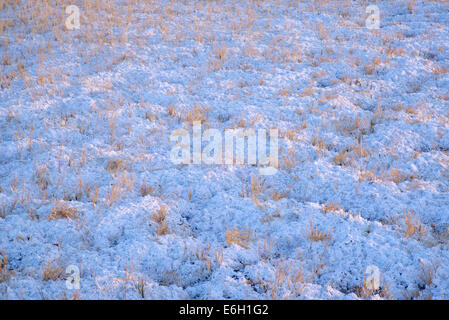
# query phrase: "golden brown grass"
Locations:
[[159, 217], [124, 183], [198, 113], [41, 17], [219, 256], [172, 112], [42, 177], [411, 226], [411, 5], [238, 124], [289, 134], [382, 174], [204, 255], [308, 92], [276, 195], [417, 295], [140, 284], [343, 159], [367, 290], [288, 160], [238, 237], [265, 251], [315, 235], [427, 273], [370, 69], [319, 144], [52, 271], [254, 188], [331, 207], [439, 70], [146, 189], [397, 176], [287, 277], [5, 272], [61, 210], [5, 209], [114, 165], [360, 151], [355, 127], [426, 276]]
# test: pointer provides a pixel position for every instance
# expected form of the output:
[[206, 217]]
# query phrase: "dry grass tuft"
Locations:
[[319, 144], [52, 271], [382, 174], [159, 217], [438, 70], [411, 5], [288, 160], [5, 273], [265, 251], [289, 134], [371, 68], [61, 210], [140, 284], [124, 183], [114, 165], [196, 114], [367, 290], [279, 195], [397, 176], [239, 237], [172, 111], [288, 280], [204, 255], [5, 209], [410, 225], [146, 189], [315, 235], [254, 188], [342, 158], [416, 295], [331, 207], [428, 272]]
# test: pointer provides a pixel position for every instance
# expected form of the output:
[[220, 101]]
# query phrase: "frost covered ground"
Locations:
[[359, 207]]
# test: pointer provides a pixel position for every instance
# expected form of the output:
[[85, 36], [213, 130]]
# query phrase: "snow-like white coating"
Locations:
[[86, 178]]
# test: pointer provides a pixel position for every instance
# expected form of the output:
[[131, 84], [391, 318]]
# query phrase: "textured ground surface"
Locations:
[[85, 171]]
